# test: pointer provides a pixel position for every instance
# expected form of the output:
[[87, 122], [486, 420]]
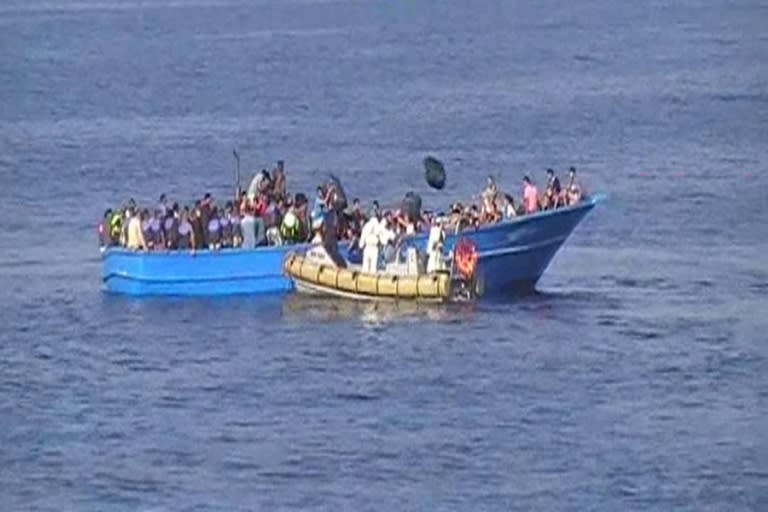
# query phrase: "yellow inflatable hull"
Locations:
[[320, 278]]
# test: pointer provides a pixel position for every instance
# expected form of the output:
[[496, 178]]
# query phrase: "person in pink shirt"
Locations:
[[530, 196]]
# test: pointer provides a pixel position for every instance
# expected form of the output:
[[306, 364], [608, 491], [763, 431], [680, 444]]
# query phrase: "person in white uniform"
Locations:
[[370, 239], [435, 247]]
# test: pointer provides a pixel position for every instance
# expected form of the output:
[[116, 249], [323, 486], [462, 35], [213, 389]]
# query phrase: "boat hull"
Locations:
[[512, 257]]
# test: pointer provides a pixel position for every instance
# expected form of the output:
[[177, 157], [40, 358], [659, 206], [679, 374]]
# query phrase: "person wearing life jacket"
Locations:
[[115, 226], [370, 241], [290, 228], [225, 223]]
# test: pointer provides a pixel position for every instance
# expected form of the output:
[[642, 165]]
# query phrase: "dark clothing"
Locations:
[[199, 231]]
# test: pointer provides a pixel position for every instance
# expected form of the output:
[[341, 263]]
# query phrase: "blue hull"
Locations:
[[513, 256]]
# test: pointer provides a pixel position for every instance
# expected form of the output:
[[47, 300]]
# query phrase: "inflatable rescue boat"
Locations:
[[315, 274]]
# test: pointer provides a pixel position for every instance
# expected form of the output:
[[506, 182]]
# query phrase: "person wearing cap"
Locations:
[[530, 196], [370, 240]]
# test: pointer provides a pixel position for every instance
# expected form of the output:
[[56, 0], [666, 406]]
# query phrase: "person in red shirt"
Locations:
[[530, 196]]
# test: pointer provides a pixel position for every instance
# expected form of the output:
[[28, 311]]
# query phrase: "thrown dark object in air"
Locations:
[[411, 206], [434, 172], [340, 197]]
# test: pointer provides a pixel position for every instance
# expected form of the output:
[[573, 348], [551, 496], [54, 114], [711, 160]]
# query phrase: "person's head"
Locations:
[[108, 213], [356, 203], [550, 172], [509, 199], [376, 205], [207, 198], [280, 166], [162, 198], [320, 191], [526, 180], [572, 171], [490, 180]]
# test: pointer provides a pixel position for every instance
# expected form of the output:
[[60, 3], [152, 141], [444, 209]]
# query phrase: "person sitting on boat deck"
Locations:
[[530, 196], [185, 235], [509, 207], [573, 190], [135, 236], [553, 191], [370, 240], [435, 244], [489, 211]]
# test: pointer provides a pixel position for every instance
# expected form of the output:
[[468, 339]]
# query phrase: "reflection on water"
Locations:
[[333, 309]]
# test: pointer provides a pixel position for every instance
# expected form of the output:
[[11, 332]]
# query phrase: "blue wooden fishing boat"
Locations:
[[513, 255]]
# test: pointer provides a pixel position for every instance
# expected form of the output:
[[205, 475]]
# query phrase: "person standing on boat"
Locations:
[[530, 196], [435, 243], [370, 239], [185, 235], [135, 234], [489, 211]]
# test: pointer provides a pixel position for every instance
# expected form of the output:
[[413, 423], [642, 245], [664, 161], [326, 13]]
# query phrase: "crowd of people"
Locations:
[[265, 214]]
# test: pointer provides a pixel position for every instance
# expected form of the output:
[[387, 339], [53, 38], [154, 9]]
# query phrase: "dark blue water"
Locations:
[[635, 379]]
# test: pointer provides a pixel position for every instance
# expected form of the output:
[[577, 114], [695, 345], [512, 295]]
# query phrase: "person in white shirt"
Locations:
[[435, 247], [370, 239]]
